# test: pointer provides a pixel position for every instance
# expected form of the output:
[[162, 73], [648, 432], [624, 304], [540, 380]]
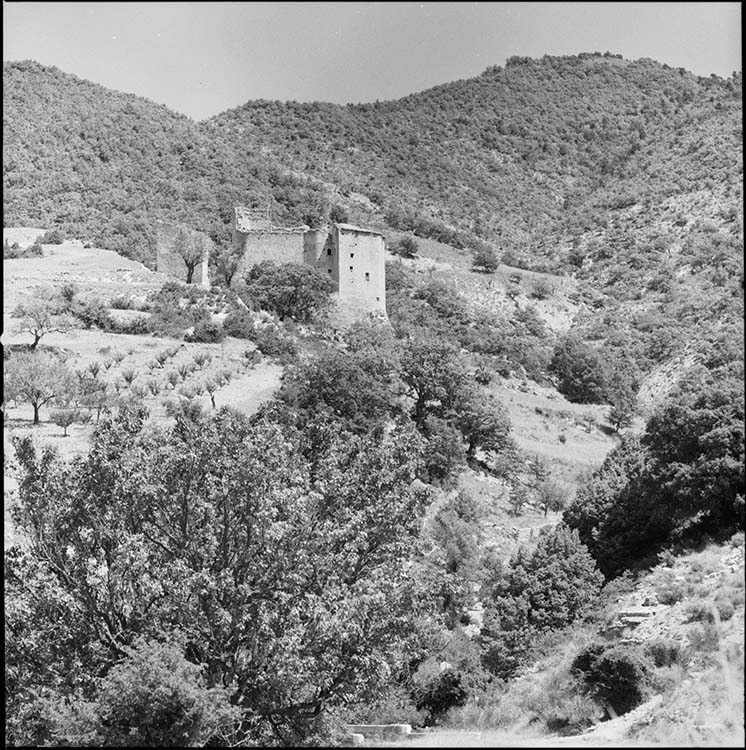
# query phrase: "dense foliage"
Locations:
[[291, 290], [683, 480], [548, 588], [281, 576]]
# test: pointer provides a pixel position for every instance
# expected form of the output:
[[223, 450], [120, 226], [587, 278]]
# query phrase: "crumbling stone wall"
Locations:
[[257, 240], [168, 238], [278, 245]]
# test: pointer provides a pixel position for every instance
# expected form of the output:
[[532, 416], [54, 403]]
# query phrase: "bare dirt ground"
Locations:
[[93, 270]]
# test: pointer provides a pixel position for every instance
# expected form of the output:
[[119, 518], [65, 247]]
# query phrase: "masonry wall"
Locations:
[[359, 260], [168, 259], [278, 245]]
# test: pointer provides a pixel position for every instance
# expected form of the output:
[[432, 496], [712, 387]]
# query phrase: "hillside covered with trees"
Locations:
[[526, 157]]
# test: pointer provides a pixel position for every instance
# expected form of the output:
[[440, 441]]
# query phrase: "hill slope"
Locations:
[[515, 154], [624, 174]]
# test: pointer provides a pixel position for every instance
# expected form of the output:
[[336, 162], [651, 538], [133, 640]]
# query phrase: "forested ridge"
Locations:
[[524, 156]]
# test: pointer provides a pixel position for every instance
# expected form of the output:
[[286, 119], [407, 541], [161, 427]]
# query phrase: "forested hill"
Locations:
[[506, 154], [544, 158], [104, 165]]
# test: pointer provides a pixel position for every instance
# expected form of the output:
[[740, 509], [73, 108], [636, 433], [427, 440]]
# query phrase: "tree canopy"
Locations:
[[284, 580]]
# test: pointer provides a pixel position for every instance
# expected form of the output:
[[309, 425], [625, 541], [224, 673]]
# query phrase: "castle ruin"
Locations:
[[353, 257]]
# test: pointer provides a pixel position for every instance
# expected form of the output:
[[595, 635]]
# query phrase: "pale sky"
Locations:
[[202, 58]]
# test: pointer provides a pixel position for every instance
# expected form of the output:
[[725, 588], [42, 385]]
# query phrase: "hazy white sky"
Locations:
[[202, 58]]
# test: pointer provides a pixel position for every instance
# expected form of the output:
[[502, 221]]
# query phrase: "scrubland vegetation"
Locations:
[[369, 542]]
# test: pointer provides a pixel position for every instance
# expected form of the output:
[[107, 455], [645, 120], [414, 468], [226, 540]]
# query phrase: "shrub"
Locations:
[[206, 332], [68, 292], [53, 237], [135, 327], [438, 693], [671, 592], [541, 289], [191, 390], [239, 323], [11, 251], [92, 313], [338, 214], [129, 375], [705, 611], [705, 638], [121, 302], [271, 342], [201, 358], [664, 652], [485, 260], [153, 697], [406, 247], [617, 675]]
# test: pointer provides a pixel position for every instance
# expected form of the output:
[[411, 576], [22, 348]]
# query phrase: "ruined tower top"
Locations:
[[248, 219]]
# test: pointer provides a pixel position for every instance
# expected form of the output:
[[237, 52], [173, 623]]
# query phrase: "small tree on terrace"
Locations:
[[67, 415], [40, 316], [37, 379], [191, 249]]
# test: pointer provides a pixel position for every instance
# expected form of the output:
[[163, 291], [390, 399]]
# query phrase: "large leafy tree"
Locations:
[[437, 376], [287, 582], [292, 290], [580, 372], [357, 388], [695, 444]]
